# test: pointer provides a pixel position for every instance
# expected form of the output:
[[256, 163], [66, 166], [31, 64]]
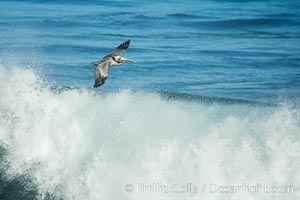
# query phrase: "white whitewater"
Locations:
[[81, 144]]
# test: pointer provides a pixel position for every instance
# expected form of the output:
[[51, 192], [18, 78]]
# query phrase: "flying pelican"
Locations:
[[110, 59]]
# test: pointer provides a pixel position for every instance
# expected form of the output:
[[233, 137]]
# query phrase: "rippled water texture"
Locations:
[[232, 49]]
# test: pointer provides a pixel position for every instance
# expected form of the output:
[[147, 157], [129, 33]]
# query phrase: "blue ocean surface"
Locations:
[[212, 100], [232, 49]]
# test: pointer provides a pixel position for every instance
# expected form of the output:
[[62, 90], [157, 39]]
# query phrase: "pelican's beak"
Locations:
[[126, 60]]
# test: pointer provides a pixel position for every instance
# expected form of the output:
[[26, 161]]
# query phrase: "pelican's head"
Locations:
[[120, 59]]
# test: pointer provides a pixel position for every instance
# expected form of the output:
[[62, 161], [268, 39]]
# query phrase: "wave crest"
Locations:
[[83, 144]]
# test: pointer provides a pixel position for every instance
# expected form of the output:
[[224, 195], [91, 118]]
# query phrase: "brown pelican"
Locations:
[[110, 59]]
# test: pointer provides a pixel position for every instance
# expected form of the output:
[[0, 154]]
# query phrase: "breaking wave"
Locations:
[[88, 144]]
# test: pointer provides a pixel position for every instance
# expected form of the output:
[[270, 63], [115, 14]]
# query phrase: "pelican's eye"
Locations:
[[117, 59]]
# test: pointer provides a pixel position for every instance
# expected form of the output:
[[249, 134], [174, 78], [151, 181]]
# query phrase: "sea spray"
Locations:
[[89, 144]]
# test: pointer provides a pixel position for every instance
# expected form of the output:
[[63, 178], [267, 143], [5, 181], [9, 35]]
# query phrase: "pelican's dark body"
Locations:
[[110, 59]]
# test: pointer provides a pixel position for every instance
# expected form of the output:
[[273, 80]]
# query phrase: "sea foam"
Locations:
[[90, 144]]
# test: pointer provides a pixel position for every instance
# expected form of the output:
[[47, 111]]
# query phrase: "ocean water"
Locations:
[[209, 110]]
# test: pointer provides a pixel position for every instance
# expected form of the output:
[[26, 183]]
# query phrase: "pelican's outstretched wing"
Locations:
[[120, 49], [101, 73]]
